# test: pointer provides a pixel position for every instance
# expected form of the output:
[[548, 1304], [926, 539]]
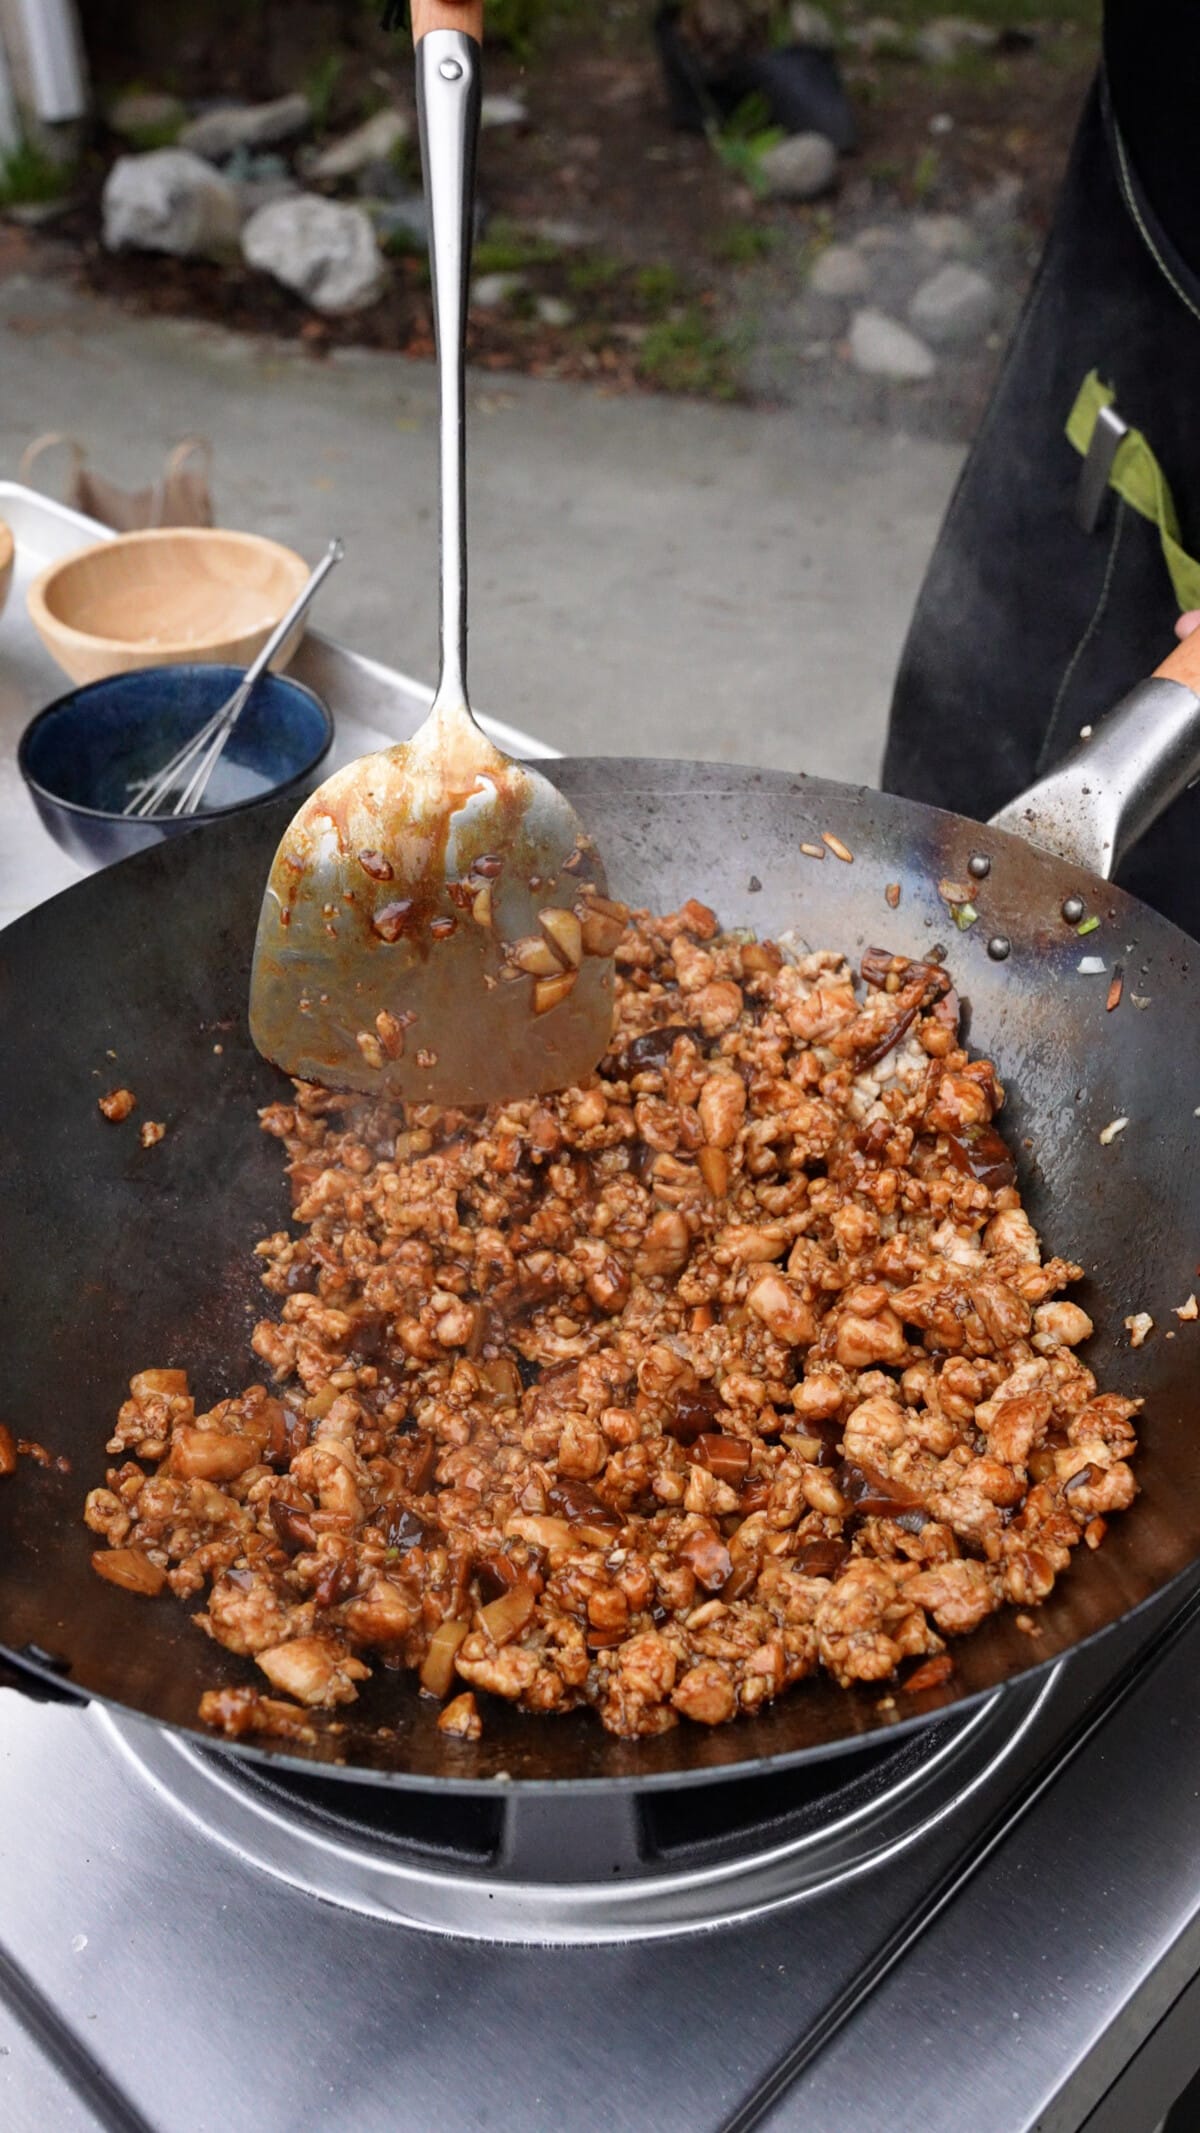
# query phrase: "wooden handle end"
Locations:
[[1183, 664], [465, 15]]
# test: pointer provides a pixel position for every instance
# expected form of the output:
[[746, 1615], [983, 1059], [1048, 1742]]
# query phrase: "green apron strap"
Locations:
[[1139, 480]]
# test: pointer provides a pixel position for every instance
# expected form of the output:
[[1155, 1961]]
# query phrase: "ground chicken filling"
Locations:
[[739, 1362]]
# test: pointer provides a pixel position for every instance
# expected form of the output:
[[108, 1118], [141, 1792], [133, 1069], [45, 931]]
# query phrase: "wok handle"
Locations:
[[1094, 807]]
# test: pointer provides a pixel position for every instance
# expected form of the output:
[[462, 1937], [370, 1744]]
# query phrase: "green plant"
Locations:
[[744, 139], [506, 249], [28, 176], [405, 244], [657, 287], [740, 244], [520, 24], [320, 85], [687, 354], [925, 174], [598, 270]]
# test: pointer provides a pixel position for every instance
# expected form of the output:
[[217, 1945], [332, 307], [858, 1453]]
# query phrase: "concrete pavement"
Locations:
[[648, 576]]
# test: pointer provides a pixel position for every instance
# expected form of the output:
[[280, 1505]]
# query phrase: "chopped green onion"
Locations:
[[964, 915], [1089, 925]]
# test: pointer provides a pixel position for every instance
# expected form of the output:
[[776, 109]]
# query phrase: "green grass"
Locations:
[[925, 173], [28, 177], [320, 85], [686, 354], [657, 287], [742, 244], [505, 249], [591, 275]]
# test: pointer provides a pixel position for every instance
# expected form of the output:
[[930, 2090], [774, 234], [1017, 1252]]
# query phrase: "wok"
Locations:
[[113, 1258]]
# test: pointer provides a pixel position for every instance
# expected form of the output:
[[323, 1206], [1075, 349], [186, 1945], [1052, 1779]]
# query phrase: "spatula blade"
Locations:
[[397, 919]]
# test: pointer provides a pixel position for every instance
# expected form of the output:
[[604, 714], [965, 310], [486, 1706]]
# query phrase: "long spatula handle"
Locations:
[[448, 98]]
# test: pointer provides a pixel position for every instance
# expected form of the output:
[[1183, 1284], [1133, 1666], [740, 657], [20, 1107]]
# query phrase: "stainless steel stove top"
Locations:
[[994, 1926], [997, 1964]]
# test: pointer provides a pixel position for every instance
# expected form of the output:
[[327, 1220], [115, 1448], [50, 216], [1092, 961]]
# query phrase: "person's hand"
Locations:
[[1188, 622]]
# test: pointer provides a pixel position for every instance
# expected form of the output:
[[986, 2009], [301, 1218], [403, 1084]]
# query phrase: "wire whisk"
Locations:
[[179, 787]]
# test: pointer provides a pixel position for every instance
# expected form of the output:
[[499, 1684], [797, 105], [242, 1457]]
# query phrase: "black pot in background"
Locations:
[[800, 86]]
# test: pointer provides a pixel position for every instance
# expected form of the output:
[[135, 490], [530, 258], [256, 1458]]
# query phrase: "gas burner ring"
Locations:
[[578, 1871]]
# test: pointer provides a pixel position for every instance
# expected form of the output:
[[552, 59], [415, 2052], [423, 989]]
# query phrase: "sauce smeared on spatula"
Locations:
[[435, 924]]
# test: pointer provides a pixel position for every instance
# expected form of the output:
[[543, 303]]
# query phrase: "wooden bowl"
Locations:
[[7, 558], [172, 595]]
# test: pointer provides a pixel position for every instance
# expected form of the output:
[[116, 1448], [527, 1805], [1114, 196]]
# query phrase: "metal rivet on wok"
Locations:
[[450, 70], [979, 865], [999, 947], [1072, 909]]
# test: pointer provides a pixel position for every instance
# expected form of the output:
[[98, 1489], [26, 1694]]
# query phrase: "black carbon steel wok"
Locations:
[[113, 1258]]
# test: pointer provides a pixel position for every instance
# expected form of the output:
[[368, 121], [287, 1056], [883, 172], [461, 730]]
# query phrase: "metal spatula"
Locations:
[[430, 927]]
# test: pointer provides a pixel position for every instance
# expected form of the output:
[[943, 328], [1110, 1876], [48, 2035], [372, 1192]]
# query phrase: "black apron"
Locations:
[[1028, 628]]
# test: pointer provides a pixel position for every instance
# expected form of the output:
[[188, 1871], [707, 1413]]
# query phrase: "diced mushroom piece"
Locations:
[[8, 1451], [565, 935], [461, 1717], [437, 1667], [117, 1104], [131, 1569], [603, 924], [535, 957], [551, 992], [505, 1618], [713, 1165], [390, 1031], [151, 1133]]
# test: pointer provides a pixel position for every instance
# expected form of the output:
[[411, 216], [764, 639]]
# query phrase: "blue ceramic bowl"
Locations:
[[81, 755]]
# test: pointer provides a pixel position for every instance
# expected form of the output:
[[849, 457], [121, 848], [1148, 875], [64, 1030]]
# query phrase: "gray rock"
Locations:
[[383, 181], [799, 167], [810, 25], [215, 134], [259, 177], [144, 112], [883, 348], [879, 35], [947, 236], [407, 216], [501, 110], [568, 236], [492, 291], [256, 192], [400, 218], [956, 304], [325, 252], [879, 237], [840, 271], [1000, 205], [169, 201], [375, 141], [944, 40], [555, 311]]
